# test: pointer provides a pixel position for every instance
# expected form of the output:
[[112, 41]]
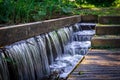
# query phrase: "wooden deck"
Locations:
[[98, 65]]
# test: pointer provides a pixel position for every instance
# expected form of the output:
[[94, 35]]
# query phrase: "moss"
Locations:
[[80, 73]]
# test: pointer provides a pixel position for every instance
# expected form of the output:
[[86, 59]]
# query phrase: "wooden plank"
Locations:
[[14, 33], [98, 65]]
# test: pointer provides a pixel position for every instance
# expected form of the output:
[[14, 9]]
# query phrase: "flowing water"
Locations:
[[4, 74], [55, 53], [84, 35]]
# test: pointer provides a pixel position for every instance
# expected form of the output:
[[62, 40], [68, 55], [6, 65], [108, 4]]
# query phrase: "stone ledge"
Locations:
[[11, 34]]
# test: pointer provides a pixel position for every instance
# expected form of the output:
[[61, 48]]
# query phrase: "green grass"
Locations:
[[24, 11], [99, 11]]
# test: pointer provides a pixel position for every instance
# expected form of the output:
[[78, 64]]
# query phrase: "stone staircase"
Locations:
[[107, 32]]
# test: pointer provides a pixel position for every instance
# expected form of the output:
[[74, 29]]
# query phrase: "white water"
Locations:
[[4, 74], [73, 51], [76, 47], [49, 50], [85, 35], [56, 43], [28, 60], [37, 57]]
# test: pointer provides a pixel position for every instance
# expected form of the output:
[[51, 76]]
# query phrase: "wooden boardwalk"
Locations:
[[98, 65]]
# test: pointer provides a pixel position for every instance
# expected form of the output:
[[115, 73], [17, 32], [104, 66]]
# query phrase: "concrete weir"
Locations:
[[11, 34]]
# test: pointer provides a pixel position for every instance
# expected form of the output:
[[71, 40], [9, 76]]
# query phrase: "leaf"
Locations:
[[7, 59], [80, 72], [67, 9], [41, 13], [1, 1]]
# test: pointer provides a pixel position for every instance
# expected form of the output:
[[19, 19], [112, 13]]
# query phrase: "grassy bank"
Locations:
[[110, 11], [24, 11]]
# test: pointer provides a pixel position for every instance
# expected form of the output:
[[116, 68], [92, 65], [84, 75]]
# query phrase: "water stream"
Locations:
[[51, 54]]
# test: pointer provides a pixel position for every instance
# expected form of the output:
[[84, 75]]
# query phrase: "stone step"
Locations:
[[109, 20], [106, 41], [107, 29]]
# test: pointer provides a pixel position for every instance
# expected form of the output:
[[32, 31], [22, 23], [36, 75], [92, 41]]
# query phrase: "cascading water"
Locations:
[[84, 35], [56, 44], [49, 49], [64, 36], [28, 60], [4, 74], [66, 62], [55, 53], [73, 51]]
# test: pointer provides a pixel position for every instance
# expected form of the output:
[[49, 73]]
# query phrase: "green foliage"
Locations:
[[22, 11], [99, 11], [4, 10], [1, 1], [15, 11], [116, 3], [101, 3]]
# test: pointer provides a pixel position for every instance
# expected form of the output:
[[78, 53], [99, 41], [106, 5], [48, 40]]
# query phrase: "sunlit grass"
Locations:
[[23, 11], [87, 6], [99, 11]]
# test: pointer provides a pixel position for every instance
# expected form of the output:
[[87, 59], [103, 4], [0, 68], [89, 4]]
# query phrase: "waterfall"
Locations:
[[56, 44], [28, 60], [84, 35], [4, 73], [49, 49], [65, 37], [55, 53], [20, 65], [43, 54], [39, 57], [74, 49]]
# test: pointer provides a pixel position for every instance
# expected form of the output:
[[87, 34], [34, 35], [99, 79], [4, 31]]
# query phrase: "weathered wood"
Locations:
[[98, 65], [106, 41], [89, 18], [109, 20], [107, 29], [11, 34]]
